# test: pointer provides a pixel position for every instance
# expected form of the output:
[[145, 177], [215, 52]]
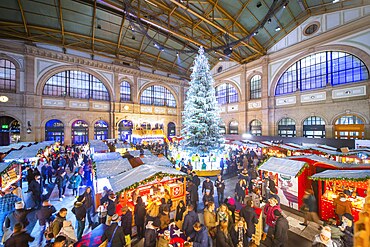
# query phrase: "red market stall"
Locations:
[[10, 173], [353, 183], [291, 179]]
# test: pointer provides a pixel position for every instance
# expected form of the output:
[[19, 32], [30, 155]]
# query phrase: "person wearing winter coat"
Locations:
[[16, 190], [75, 181], [88, 201], [268, 211], [280, 230], [256, 197], [207, 198], [189, 220], [150, 236], [61, 181], [35, 188], [220, 186], [126, 223], [323, 238], [223, 238], [80, 212], [19, 238], [164, 218], [192, 190], [207, 185], [19, 215], [69, 232], [180, 210], [210, 220], [224, 214], [195, 179], [240, 188], [44, 215], [250, 217], [309, 208], [230, 202], [140, 213], [238, 233], [347, 229], [342, 205], [201, 235], [58, 222], [111, 207], [114, 233]]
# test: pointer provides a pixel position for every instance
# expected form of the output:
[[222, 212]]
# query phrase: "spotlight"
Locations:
[[286, 4], [228, 51], [269, 21], [259, 4], [277, 29], [155, 44], [177, 54], [255, 33], [336, 1], [220, 58]]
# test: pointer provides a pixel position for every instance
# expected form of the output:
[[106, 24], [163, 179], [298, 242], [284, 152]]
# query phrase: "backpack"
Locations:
[[49, 230]]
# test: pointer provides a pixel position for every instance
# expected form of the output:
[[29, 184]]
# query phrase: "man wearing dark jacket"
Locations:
[[114, 233], [281, 230], [220, 186], [80, 212], [126, 221], [61, 181], [193, 194], [87, 200], [111, 208], [195, 179], [17, 216], [201, 235], [250, 218], [150, 236], [189, 221], [44, 215], [140, 213], [207, 185], [19, 238], [35, 188]]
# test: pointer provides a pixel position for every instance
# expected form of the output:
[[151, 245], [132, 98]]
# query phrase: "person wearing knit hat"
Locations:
[[323, 238], [270, 218], [19, 237], [19, 215], [281, 229], [114, 233], [6, 206]]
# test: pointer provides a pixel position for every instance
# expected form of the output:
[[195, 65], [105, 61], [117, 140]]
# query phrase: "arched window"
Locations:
[[226, 93], [7, 75], [54, 131], [255, 87], [125, 91], [125, 130], [286, 127], [171, 129], [222, 128], [349, 127], [255, 127], [233, 128], [158, 96], [80, 132], [321, 69], [314, 127], [100, 130], [76, 84], [10, 130]]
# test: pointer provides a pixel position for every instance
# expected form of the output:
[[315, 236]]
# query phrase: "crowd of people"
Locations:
[[219, 220]]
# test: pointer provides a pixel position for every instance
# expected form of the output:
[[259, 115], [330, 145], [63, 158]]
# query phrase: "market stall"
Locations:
[[122, 147], [150, 182], [291, 179], [98, 146], [156, 161], [97, 157], [353, 183], [10, 173], [28, 153]]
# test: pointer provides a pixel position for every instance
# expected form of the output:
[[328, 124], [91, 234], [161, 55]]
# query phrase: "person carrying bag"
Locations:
[[113, 235]]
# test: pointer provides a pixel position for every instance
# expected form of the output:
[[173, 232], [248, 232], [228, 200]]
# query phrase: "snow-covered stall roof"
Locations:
[[320, 159], [136, 153], [342, 175], [154, 160], [122, 145], [98, 146], [124, 180], [27, 152], [283, 166], [15, 146], [97, 157], [4, 165], [107, 168]]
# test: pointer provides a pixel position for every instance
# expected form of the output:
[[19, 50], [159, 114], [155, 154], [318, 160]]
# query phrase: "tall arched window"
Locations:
[[101, 130], [349, 127], [226, 93], [80, 132], [76, 84], [7, 75], [286, 127], [158, 96], [125, 130], [233, 128], [255, 127], [321, 69], [314, 127], [171, 129], [255, 87], [54, 130], [125, 91]]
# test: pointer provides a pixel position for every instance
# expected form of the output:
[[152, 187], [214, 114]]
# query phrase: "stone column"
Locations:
[[243, 101], [329, 131], [265, 98], [91, 132], [67, 134]]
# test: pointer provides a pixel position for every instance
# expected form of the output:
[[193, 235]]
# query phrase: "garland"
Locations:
[[302, 169], [159, 175], [341, 178]]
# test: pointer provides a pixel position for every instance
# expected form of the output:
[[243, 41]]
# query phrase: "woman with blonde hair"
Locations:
[[152, 213], [239, 233], [224, 214]]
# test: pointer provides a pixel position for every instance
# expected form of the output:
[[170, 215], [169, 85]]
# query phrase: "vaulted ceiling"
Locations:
[[161, 34]]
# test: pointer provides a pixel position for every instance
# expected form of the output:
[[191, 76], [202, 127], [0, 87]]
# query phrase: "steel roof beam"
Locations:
[[93, 24], [23, 17]]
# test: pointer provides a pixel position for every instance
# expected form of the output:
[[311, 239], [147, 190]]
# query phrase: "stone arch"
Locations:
[[92, 123], [362, 116], [43, 122], [236, 86], [70, 122], [315, 115], [363, 56], [157, 83], [46, 76], [7, 114], [18, 69], [295, 120]]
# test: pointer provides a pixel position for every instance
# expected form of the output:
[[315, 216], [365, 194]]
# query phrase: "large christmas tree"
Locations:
[[201, 117]]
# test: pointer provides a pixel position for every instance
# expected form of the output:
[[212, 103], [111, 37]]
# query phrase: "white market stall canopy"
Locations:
[[97, 157], [98, 146], [122, 145], [342, 175], [140, 173], [27, 152], [283, 166], [154, 160], [107, 168], [320, 159], [136, 153], [15, 146]]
